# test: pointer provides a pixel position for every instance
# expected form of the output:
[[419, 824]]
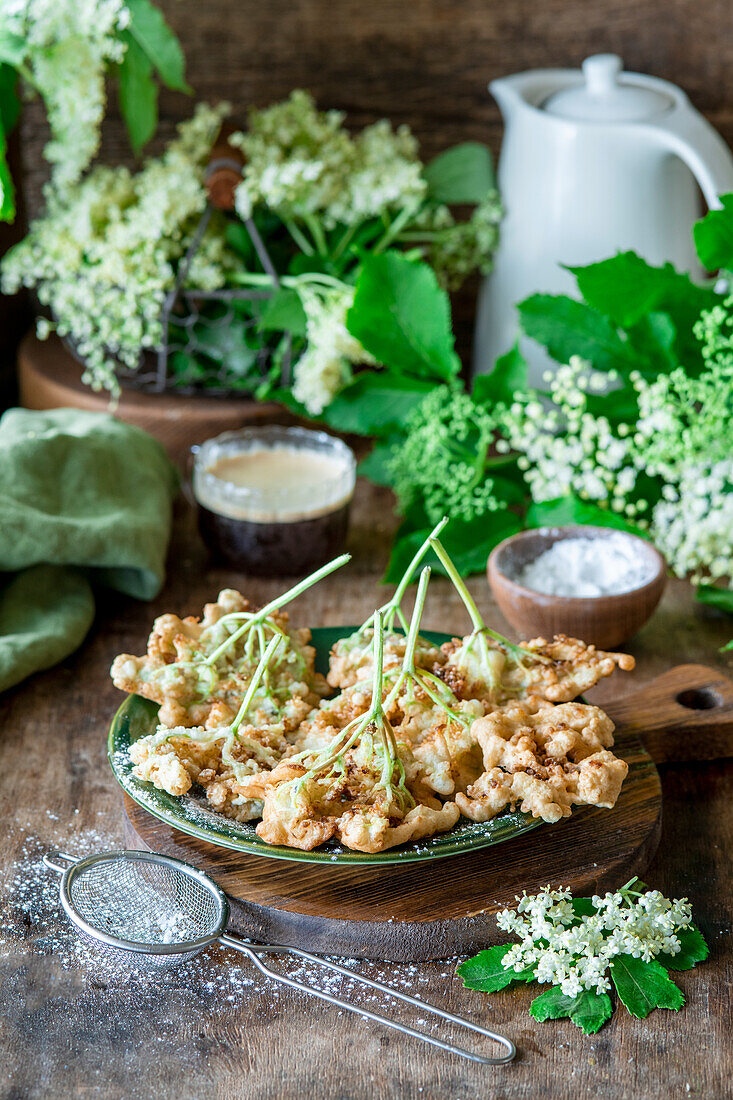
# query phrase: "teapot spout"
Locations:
[[506, 92]]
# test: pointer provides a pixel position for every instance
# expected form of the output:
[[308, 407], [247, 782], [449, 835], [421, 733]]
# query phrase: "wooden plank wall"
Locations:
[[423, 62]]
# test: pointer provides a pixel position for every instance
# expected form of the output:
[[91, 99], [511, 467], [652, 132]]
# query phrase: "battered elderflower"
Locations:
[[573, 944]]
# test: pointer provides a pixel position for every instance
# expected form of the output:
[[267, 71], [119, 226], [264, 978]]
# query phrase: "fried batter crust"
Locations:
[[546, 761]]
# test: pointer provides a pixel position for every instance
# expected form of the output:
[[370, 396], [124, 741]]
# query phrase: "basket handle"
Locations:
[[224, 171]]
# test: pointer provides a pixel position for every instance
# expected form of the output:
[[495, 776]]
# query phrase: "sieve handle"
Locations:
[[253, 951], [51, 858]]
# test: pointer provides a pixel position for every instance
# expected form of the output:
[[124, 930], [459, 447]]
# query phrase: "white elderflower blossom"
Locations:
[[567, 449], [70, 45], [104, 255], [325, 366], [573, 949]]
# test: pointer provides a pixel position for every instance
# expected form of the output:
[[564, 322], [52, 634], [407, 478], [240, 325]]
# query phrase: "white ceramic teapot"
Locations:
[[592, 163]]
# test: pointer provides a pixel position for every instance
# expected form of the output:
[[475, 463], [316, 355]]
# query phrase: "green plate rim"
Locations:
[[221, 832]]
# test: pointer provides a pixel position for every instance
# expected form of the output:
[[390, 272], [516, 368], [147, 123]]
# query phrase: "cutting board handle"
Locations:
[[685, 714]]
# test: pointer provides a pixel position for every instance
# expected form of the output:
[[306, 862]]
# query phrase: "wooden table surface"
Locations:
[[72, 1025]]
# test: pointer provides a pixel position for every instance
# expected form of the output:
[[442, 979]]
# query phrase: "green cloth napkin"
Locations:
[[83, 498]]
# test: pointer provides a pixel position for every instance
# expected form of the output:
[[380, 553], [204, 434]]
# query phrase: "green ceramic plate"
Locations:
[[137, 717]]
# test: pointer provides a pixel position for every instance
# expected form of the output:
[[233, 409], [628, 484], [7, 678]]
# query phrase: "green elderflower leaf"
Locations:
[[588, 1011], [568, 328], [402, 317], [644, 986], [487, 972], [508, 378], [693, 949], [469, 543], [463, 174], [158, 42], [714, 236], [722, 598], [138, 94]]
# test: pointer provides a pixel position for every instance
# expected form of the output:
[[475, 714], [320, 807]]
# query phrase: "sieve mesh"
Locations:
[[145, 904]]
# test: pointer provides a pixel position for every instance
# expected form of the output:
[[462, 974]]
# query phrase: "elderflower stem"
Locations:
[[480, 629], [274, 605], [254, 683], [458, 583], [392, 607]]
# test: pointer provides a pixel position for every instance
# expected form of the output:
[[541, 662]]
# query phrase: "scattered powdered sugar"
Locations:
[[33, 925], [595, 566]]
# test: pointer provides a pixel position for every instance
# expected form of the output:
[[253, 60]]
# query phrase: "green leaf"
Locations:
[[284, 313], [158, 42], [9, 102], [643, 986], [468, 542], [653, 337], [693, 950], [626, 289], [7, 191], [722, 598], [486, 971], [376, 465], [588, 1011], [402, 317], [727, 647], [228, 347], [13, 47], [566, 328], [508, 377], [569, 510], [138, 94], [375, 403], [714, 237], [463, 174], [583, 907]]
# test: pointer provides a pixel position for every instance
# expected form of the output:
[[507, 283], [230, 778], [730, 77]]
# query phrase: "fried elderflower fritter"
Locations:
[[199, 671], [546, 761], [219, 759], [357, 788], [486, 666]]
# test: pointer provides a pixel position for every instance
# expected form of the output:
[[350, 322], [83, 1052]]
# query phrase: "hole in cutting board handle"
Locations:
[[699, 699]]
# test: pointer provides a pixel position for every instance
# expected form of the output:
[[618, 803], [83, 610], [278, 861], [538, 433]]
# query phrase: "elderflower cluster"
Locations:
[[441, 463], [104, 255], [301, 162], [456, 249], [573, 949], [69, 45], [568, 449], [325, 366]]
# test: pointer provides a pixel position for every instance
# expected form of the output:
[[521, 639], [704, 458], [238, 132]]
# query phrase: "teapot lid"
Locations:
[[603, 97]]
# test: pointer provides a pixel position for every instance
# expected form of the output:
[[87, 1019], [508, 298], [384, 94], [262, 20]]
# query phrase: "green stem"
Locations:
[[458, 584], [345, 241], [275, 642], [404, 216], [300, 239], [316, 230], [274, 605]]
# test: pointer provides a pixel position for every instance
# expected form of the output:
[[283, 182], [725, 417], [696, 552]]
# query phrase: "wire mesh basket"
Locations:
[[195, 323]]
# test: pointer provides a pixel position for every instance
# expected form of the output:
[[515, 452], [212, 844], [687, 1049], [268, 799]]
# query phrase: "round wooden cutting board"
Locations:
[[415, 911]]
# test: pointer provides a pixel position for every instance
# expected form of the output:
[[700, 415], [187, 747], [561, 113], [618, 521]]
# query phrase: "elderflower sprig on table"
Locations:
[[585, 947]]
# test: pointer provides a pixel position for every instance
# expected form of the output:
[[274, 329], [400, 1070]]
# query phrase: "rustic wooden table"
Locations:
[[72, 1025]]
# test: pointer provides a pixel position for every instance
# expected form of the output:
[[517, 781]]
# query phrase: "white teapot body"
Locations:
[[578, 190]]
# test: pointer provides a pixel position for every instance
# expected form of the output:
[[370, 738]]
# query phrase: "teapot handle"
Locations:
[[691, 137]]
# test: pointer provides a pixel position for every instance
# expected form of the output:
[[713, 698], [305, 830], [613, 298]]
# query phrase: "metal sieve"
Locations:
[[157, 911]]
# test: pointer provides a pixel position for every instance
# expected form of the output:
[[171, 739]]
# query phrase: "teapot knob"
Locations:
[[601, 72]]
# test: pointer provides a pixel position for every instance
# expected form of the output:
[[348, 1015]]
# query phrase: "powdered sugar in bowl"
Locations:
[[594, 583]]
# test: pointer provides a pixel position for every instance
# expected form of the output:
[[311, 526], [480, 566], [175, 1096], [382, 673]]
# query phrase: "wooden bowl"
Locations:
[[604, 621]]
